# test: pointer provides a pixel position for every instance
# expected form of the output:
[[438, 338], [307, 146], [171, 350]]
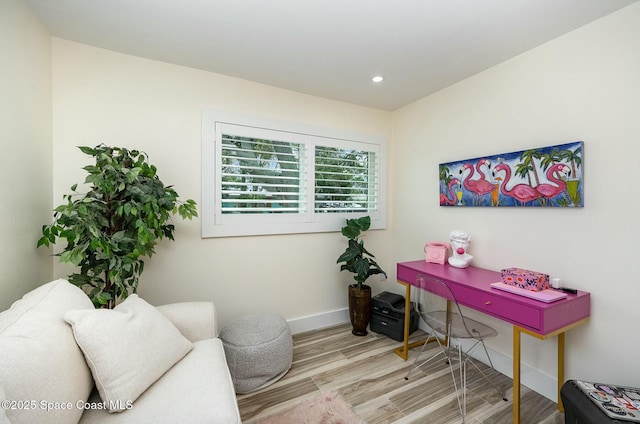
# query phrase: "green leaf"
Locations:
[[66, 256], [103, 298], [68, 234], [353, 251], [118, 237], [364, 223], [43, 241], [87, 150], [351, 231], [77, 256], [188, 209]]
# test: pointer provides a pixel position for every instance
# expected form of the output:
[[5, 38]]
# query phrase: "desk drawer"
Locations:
[[499, 307]]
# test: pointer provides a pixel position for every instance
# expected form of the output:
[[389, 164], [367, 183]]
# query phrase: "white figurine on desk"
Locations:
[[459, 244]]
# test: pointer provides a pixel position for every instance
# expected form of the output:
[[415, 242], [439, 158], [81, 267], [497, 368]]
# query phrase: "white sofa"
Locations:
[[55, 364]]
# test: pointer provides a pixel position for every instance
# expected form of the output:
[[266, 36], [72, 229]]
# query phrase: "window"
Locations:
[[267, 177], [346, 180]]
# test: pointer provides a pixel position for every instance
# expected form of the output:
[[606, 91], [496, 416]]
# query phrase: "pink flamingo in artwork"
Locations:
[[549, 190], [478, 187], [521, 192], [450, 198]]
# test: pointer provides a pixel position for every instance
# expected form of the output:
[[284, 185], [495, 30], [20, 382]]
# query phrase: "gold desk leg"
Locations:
[[560, 369], [516, 375], [516, 360], [403, 351], [407, 320]]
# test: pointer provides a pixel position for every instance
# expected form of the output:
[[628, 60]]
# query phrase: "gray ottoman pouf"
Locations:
[[259, 350]]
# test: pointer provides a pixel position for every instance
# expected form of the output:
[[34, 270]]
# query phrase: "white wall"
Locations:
[[26, 164], [582, 86], [106, 97]]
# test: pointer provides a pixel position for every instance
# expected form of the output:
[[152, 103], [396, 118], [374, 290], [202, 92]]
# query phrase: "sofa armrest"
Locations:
[[195, 320]]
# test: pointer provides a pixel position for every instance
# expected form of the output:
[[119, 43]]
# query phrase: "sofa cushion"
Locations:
[[127, 348], [195, 320], [198, 389], [39, 359]]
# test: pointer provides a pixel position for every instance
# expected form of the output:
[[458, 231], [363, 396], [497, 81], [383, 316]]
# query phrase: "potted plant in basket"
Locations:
[[357, 260], [113, 226]]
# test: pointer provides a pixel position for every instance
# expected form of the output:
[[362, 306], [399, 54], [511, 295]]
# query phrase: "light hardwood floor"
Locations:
[[366, 372]]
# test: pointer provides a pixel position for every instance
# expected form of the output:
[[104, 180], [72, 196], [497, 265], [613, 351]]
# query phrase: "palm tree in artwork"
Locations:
[[573, 157], [445, 174], [523, 170], [444, 177], [527, 164], [548, 159]]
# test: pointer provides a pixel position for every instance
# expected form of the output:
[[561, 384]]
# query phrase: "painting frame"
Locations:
[[551, 176]]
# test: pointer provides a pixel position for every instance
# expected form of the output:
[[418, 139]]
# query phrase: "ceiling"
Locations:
[[327, 48]]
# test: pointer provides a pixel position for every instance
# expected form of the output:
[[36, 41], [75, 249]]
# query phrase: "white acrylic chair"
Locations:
[[454, 328]]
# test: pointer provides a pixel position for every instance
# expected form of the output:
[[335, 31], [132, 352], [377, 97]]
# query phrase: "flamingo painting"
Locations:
[[450, 198], [550, 191], [478, 187], [551, 176], [523, 193]]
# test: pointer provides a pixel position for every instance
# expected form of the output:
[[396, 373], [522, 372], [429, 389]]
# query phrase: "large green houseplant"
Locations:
[[115, 224], [357, 260]]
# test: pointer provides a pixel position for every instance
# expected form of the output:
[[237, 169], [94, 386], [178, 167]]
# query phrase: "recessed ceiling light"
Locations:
[[377, 78]]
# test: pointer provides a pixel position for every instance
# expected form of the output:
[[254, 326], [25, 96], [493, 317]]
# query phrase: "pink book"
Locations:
[[546, 296]]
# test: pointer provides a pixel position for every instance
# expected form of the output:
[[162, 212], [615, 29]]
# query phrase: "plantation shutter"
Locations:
[[261, 176], [346, 180]]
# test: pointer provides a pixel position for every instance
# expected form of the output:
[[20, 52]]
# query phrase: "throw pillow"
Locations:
[[127, 348]]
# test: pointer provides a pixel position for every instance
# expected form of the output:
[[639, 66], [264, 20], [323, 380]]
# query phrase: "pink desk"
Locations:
[[471, 287]]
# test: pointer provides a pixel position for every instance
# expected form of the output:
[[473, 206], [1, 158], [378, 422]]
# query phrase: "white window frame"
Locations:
[[216, 224]]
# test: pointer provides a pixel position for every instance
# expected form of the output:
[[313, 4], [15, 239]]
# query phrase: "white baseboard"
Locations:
[[532, 378], [315, 322]]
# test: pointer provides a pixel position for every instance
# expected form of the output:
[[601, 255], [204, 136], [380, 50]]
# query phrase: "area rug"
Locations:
[[329, 408]]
